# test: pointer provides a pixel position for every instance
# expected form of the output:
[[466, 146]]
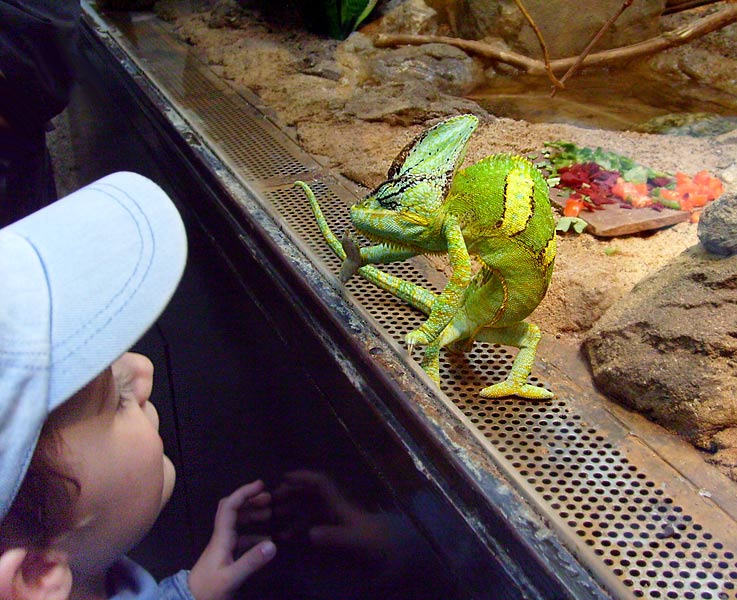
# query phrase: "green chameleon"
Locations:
[[497, 209]]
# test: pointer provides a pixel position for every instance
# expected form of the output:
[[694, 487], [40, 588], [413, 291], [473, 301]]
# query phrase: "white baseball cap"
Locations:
[[80, 282]]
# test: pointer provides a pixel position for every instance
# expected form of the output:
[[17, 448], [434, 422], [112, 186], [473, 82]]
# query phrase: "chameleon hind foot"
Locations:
[[512, 388], [526, 337], [417, 337]]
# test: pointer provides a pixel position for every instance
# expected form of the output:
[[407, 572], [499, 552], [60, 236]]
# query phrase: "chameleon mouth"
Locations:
[[389, 243]]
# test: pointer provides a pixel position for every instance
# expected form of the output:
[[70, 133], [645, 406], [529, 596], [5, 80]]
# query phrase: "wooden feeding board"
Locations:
[[613, 220]]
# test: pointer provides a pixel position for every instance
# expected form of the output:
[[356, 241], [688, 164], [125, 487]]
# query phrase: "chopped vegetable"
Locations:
[[598, 177], [573, 206], [635, 194]]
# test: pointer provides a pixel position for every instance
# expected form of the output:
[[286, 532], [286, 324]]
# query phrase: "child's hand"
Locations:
[[218, 573]]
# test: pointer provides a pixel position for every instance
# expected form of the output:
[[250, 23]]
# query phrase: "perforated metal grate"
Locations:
[[641, 534], [589, 489]]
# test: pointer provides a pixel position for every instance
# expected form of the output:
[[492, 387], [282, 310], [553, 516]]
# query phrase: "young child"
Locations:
[[83, 475]]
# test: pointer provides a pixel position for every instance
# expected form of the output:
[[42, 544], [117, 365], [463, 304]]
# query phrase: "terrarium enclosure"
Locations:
[[628, 109]]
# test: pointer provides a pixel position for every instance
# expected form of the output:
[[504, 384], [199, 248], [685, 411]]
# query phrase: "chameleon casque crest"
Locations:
[[497, 210]]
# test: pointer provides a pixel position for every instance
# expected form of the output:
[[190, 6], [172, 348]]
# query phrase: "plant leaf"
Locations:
[[366, 12], [564, 224], [353, 12]]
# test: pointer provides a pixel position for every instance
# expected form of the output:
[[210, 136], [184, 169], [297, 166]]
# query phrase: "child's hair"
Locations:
[[42, 509]]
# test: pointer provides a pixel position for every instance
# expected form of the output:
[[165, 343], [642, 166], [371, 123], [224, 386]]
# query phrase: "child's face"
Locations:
[[111, 445]]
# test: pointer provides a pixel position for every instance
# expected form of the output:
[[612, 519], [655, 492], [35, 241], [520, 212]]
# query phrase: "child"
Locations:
[[83, 475]]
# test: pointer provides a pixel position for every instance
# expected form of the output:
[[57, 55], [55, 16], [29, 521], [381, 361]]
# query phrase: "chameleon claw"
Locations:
[[417, 337], [352, 261]]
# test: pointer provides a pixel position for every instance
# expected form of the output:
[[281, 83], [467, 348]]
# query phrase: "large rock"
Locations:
[[669, 349]]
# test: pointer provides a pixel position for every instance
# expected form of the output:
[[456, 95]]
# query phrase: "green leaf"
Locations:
[[564, 224], [366, 12], [636, 174], [352, 12], [332, 18], [564, 154]]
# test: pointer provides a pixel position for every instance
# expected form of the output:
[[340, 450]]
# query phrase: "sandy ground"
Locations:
[[307, 79]]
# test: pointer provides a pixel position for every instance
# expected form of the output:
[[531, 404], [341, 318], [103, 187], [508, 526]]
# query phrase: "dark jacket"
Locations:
[[38, 54]]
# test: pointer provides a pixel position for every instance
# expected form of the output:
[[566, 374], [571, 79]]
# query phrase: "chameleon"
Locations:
[[497, 210]]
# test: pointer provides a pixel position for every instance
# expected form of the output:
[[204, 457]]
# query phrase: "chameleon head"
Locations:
[[403, 208], [390, 215]]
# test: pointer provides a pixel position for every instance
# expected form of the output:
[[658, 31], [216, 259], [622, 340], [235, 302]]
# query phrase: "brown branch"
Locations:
[[543, 45], [676, 37]]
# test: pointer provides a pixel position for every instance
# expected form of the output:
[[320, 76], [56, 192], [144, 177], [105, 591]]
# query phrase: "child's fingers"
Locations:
[[251, 562], [246, 492], [226, 516], [254, 507], [261, 515]]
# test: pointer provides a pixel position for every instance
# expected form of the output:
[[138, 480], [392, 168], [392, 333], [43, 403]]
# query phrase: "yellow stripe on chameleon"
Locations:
[[519, 189], [549, 252], [415, 219]]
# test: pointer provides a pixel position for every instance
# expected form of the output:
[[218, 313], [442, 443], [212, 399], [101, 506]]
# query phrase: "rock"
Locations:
[[225, 13], [725, 457], [411, 17], [440, 66], [408, 85], [729, 175], [718, 225], [669, 349], [406, 104], [698, 124]]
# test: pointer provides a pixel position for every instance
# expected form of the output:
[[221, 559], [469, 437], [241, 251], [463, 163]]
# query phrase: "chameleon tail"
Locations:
[[322, 223]]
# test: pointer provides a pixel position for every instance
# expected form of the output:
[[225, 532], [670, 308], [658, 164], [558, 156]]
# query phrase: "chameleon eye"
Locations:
[[387, 195]]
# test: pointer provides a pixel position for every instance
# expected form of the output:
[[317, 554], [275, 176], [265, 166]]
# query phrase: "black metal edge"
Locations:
[[534, 558]]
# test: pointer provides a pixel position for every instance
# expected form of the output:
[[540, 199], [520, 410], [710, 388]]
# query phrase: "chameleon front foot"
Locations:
[[512, 388], [352, 261]]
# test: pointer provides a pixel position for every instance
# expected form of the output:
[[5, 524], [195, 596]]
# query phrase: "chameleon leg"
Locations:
[[526, 337], [413, 294], [453, 295], [431, 362]]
